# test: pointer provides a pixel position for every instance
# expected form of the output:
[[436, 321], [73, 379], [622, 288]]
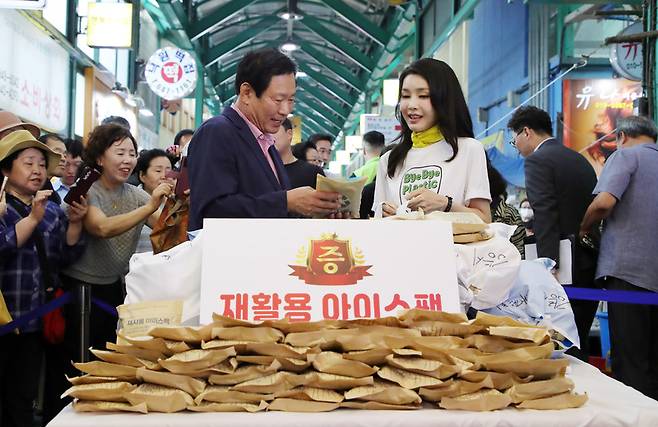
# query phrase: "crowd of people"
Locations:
[[242, 164]]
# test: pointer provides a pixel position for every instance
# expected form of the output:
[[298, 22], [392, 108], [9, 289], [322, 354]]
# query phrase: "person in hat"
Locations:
[[36, 239], [9, 122]]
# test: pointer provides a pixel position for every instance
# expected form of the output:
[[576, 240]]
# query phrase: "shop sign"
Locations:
[[109, 25], [591, 109], [34, 73], [626, 58], [171, 73], [388, 125], [325, 269]]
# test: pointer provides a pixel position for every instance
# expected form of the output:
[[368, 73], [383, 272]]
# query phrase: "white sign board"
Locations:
[[627, 58], [389, 126], [22, 4], [171, 73], [259, 269], [34, 73]]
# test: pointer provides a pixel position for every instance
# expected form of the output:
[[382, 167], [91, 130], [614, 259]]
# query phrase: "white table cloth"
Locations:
[[611, 404]]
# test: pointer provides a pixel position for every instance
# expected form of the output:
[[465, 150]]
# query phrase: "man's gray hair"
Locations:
[[635, 126]]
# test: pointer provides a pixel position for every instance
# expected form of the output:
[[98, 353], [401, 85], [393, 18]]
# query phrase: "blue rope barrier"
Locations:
[[625, 297], [105, 307], [37, 313]]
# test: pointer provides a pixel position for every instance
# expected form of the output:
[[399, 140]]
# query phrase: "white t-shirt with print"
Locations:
[[464, 178]]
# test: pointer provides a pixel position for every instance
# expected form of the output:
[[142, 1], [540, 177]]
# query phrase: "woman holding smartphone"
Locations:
[[437, 166], [117, 213]]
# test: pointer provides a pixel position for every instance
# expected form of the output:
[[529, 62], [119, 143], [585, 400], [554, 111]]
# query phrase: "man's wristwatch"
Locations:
[[448, 205]]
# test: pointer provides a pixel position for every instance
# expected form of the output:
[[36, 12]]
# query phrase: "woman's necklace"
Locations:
[[116, 198]]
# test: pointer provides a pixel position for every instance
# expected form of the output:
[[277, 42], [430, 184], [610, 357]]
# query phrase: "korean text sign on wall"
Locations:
[[34, 73], [326, 269]]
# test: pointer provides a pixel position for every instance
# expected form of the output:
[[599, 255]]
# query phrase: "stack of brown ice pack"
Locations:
[[231, 365]]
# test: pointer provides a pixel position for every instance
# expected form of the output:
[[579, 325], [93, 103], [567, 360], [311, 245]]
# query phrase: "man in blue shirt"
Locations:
[[627, 200]]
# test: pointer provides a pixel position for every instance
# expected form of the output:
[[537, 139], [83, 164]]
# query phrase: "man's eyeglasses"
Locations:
[[512, 142]]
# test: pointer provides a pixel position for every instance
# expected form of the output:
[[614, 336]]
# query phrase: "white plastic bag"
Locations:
[[486, 270], [171, 275], [539, 299]]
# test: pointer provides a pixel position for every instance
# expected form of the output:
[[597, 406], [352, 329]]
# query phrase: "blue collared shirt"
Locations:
[[60, 188], [21, 281]]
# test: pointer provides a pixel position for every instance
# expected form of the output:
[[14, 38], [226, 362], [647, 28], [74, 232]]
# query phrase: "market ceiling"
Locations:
[[345, 47]]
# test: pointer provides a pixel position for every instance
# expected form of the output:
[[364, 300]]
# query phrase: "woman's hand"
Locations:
[[426, 200], [39, 203], [389, 209], [78, 210], [160, 192]]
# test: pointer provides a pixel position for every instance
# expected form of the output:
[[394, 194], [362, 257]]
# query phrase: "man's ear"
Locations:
[[246, 91]]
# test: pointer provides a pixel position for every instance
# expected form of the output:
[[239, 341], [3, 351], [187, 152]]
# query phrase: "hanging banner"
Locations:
[[171, 73], [591, 109], [34, 73], [258, 269]]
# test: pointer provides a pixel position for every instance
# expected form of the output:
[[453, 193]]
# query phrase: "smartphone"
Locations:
[[183, 183], [82, 185]]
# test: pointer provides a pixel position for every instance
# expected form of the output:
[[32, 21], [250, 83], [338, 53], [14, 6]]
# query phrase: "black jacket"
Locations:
[[559, 182]]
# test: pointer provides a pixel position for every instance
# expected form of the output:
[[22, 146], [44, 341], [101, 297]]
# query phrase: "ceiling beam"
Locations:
[[304, 114], [207, 23], [315, 106], [344, 73], [343, 46], [325, 82], [322, 98], [359, 21], [229, 45]]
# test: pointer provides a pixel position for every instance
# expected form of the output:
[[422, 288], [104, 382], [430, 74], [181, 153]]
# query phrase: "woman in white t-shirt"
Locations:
[[437, 166]]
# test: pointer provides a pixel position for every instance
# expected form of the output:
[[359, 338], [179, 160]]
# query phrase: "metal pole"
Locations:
[[84, 299]]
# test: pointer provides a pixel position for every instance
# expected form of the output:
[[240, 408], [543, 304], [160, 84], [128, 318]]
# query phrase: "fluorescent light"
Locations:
[[290, 16], [301, 75], [289, 46]]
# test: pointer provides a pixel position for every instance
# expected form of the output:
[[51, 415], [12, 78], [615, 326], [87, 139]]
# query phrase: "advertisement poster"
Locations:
[[591, 110]]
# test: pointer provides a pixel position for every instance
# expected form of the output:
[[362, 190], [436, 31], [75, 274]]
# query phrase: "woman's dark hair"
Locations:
[[46, 136], [100, 139], [181, 134], [299, 150], [497, 184], [144, 160], [257, 68], [447, 98], [74, 147]]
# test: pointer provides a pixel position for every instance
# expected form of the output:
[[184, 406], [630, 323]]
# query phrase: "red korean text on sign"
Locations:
[[397, 302], [298, 307], [345, 307], [239, 301], [265, 306], [428, 301]]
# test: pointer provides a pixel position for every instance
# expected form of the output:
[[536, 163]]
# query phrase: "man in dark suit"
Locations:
[[234, 168], [559, 183]]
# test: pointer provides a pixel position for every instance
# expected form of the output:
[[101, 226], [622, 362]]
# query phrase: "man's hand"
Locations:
[[39, 203], [426, 200], [309, 202]]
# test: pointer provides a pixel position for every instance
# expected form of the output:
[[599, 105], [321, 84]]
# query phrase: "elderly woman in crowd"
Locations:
[[36, 239], [152, 169], [117, 213]]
